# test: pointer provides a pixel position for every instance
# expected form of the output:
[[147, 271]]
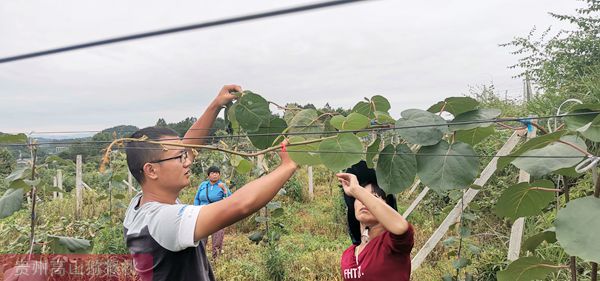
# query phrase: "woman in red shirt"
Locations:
[[381, 238]]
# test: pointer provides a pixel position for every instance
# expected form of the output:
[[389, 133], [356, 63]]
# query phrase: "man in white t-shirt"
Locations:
[[164, 235]]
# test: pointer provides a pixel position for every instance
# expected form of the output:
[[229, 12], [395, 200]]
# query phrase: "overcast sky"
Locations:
[[415, 53]]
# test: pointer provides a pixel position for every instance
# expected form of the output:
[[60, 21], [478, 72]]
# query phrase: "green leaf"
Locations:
[[421, 135], [523, 200], [455, 105], [588, 125], [354, 121], [384, 118], [577, 227], [277, 212], [475, 135], [118, 196], [396, 168], [244, 166], [10, 202], [269, 131], [526, 269], [534, 143], [8, 138], [20, 184], [32, 183], [548, 235], [18, 174], [444, 167], [232, 119], [460, 263], [376, 103], [306, 121], [304, 154], [340, 152], [273, 205], [537, 167], [474, 115], [372, 151], [256, 236], [69, 245], [251, 110]]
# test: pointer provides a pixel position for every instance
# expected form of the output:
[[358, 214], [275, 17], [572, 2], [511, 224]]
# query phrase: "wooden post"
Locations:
[[59, 181], [311, 194], [467, 198], [54, 184], [413, 187], [516, 232], [415, 203], [78, 186]]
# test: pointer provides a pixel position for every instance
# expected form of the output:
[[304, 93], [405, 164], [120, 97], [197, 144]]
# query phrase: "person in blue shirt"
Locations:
[[210, 191]]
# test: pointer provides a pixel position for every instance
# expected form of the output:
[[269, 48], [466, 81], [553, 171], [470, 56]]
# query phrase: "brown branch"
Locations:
[[283, 107], [576, 147]]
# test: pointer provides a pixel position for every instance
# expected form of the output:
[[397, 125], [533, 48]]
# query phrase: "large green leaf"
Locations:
[[9, 138], [475, 135], [69, 245], [368, 108], [396, 168], [304, 154], [19, 173], [372, 151], [384, 118], [421, 135], [455, 105], [527, 269], [354, 121], [231, 119], [244, 166], [341, 152], [548, 235], [444, 167], [577, 227], [536, 167], [251, 110], [20, 184], [534, 143], [587, 124], [523, 199], [267, 133], [474, 116], [306, 121], [10, 202]]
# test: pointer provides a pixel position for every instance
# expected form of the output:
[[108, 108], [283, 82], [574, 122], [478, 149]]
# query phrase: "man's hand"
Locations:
[[222, 186], [286, 160], [349, 183], [224, 97]]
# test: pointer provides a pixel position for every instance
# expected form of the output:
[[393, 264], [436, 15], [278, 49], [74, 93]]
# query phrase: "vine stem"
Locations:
[[546, 189], [33, 199], [106, 157], [283, 107], [576, 147], [596, 176]]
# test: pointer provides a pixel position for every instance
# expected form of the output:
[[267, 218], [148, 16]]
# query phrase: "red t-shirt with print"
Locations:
[[385, 257]]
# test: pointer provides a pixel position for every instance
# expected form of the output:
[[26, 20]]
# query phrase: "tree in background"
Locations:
[[566, 65], [7, 162]]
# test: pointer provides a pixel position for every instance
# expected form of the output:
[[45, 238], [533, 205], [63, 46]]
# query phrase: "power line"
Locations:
[[181, 29]]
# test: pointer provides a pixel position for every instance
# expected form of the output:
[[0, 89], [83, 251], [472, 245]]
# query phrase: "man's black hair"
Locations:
[[213, 169], [140, 153], [365, 176]]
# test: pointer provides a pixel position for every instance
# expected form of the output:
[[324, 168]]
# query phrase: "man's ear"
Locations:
[[150, 171]]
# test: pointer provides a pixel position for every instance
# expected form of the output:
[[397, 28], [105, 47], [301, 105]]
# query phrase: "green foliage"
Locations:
[[525, 269], [421, 135], [341, 152], [396, 168], [525, 199], [7, 162], [446, 166], [577, 226], [538, 168], [455, 105]]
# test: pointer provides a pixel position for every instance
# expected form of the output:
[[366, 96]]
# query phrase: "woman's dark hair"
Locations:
[[365, 176], [213, 169]]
